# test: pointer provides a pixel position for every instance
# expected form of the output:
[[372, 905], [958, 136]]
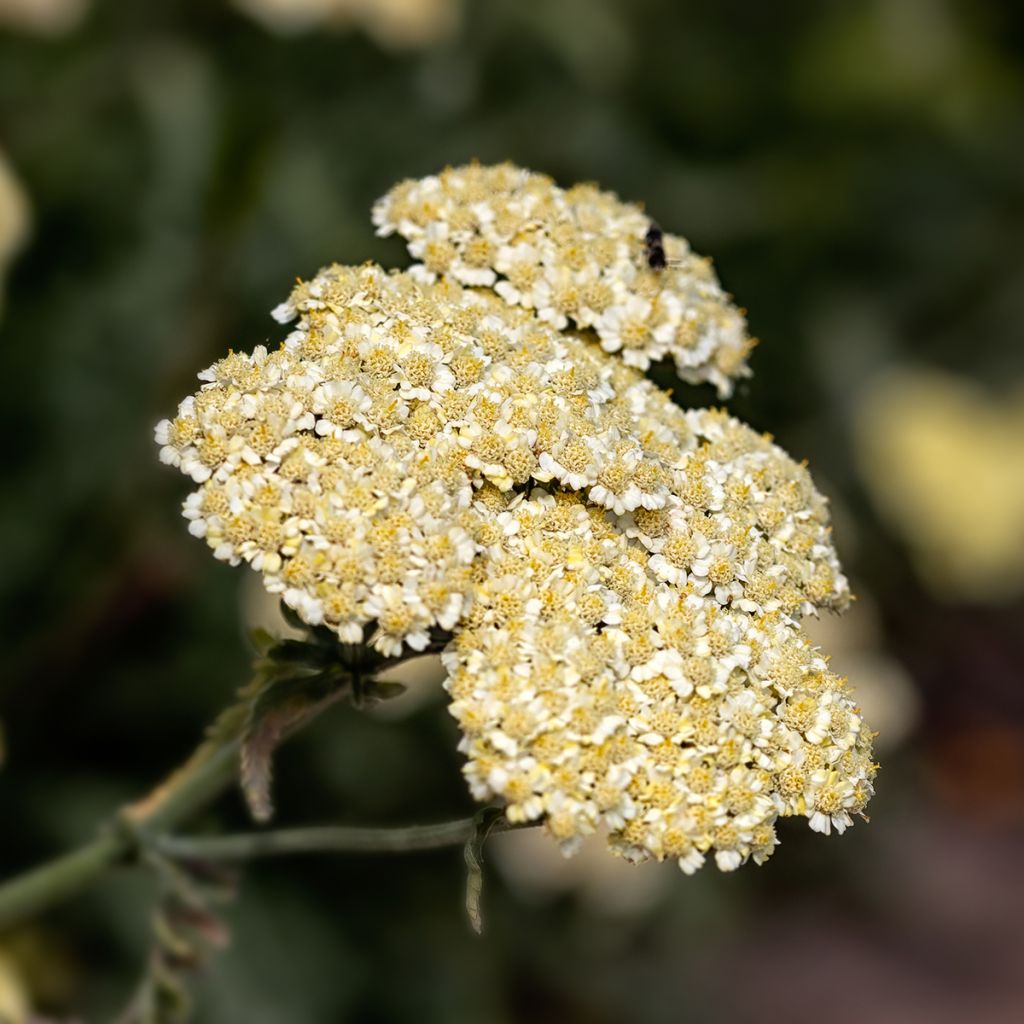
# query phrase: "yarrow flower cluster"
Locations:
[[575, 256], [432, 456], [590, 692]]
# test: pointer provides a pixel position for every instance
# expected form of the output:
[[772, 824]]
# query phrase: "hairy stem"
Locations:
[[208, 772], [325, 839], [204, 776]]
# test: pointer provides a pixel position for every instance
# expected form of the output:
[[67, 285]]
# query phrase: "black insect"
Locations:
[[654, 247]]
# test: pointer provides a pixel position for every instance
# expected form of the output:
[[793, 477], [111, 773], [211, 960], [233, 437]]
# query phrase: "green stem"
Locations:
[[324, 839], [50, 883], [203, 777]]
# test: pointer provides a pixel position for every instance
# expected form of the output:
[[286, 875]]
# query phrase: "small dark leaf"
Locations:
[[186, 930], [277, 711], [378, 690], [172, 944], [206, 926], [301, 652], [474, 856], [325, 638], [291, 616]]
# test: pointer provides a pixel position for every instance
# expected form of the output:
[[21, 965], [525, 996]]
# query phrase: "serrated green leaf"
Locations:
[[473, 852], [278, 710]]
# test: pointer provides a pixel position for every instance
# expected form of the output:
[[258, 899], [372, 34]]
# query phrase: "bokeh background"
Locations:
[[857, 171]]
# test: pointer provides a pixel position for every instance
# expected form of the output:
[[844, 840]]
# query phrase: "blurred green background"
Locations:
[[856, 169]]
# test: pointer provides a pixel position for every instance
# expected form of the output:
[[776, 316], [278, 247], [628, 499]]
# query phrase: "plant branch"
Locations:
[[206, 774], [325, 839]]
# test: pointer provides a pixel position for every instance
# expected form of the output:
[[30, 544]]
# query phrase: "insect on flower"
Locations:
[[654, 247]]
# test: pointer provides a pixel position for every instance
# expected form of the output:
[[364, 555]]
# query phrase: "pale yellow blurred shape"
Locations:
[[394, 24], [944, 462], [532, 864], [883, 688], [42, 17], [14, 1005], [289, 16], [14, 219]]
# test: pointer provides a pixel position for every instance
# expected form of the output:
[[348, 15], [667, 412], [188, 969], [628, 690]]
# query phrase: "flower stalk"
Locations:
[[202, 778], [326, 839], [224, 759]]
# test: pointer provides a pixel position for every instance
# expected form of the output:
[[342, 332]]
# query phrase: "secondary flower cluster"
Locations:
[[577, 256], [592, 693], [619, 580]]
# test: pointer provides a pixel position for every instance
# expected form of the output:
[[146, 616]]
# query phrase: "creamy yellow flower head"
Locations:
[[598, 697], [618, 581], [576, 256]]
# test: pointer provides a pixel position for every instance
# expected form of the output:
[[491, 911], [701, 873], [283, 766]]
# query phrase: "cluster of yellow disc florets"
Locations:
[[431, 455], [577, 257]]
